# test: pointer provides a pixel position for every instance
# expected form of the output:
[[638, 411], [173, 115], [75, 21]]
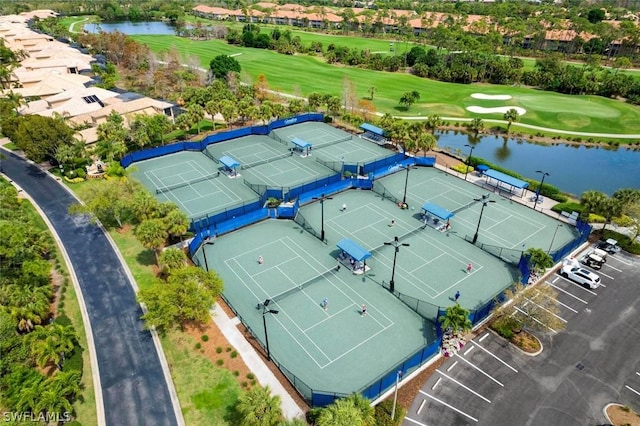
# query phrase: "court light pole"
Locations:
[[396, 245], [322, 198], [395, 395], [466, 163], [554, 237], [266, 311], [206, 243], [544, 174], [485, 200], [406, 183]]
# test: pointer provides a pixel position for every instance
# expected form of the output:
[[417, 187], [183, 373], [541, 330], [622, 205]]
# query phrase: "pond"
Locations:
[[131, 28], [573, 169]]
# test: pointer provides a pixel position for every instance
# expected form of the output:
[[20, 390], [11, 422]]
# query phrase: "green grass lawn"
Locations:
[[307, 74]]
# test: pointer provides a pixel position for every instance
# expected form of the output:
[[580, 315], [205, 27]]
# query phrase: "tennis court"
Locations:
[[352, 152], [318, 134], [505, 223], [191, 181], [290, 171], [431, 269], [335, 349], [249, 151]]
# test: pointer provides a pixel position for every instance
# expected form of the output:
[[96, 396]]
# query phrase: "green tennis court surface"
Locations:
[[196, 199], [336, 349], [319, 134], [352, 152], [249, 150]]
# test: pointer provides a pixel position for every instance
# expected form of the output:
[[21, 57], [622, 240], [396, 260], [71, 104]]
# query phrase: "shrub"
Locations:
[[244, 384], [236, 373], [198, 345], [505, 326], [568, 207], [251, 376], [74, 360], [219, 362], [81, 173], [234, 354], [219, 349], [62, 320], [383, 414], [596, 218], [205, 338], [228, 349]]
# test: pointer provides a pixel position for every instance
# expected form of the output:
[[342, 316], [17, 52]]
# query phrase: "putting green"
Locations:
[[562, 103]]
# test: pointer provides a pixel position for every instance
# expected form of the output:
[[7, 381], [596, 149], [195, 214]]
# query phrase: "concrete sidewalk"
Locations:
[[229, 327]]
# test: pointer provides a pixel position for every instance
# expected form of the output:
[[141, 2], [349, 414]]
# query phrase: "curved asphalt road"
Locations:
[[132, 380]]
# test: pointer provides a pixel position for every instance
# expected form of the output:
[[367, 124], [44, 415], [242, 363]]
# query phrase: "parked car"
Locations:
[[610, 246], [581, 276]]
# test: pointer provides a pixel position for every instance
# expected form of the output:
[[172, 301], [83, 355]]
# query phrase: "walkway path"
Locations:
[[229, 327], [132, 382], [73, 25]]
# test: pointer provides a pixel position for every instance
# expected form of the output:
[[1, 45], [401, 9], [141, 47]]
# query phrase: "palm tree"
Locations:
[[258, 408], [52, 343], [27, 306], [342, 412], [610, 208], [539, 260], [592, 202], [372, 91], [426, 142], [476, 125], [456, 318], [152, 234], [511, 116], [433, 122], [367, 412]]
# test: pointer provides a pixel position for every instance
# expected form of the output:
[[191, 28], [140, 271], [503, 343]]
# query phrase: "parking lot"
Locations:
[[591, 363]]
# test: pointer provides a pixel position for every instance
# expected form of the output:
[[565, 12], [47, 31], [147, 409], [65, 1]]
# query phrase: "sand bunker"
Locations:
[[500, 110], [491, 97]]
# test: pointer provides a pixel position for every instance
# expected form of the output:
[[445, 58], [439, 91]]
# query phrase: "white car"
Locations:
[[581, 276]]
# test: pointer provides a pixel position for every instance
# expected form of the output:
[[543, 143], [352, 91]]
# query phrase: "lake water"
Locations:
[[573, 169], [131, 28]]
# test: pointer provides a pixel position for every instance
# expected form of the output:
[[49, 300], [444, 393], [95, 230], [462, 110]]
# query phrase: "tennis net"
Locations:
[[380, 189], [268, 160], [183, 184], [401, 237], [322, 145], [304, 285], [210, 155]]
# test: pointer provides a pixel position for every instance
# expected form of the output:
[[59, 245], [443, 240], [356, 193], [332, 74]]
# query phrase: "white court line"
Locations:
[[632, 390], [483, 337], [435, 385], [327, 318], [450, 406], [480, 370], [463, 386], [422, 403], [491, 353], [566, 292], [545, 309], [452, 365], [409, 419]]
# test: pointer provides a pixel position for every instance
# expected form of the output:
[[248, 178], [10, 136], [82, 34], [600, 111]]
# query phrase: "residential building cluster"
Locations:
[[57, 78]]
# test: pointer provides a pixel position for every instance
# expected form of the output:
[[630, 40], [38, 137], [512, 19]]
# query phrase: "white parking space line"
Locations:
[[436, 383], [566, 292], [461, 385], [483, 337], [632, 390], [452, 365], [612, 267], [544, 309], [620, 260], [414, 421], [468, 350], [637, 373], [478, 368], [536, 320], [557, 278], [493, 355], [450, 406], [581, 287], [605, 275], [424, 401]]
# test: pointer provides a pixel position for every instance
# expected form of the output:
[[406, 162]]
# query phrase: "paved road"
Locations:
[[581, 369], [132, 381]]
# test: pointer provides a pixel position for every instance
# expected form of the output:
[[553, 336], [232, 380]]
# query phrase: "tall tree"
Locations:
[[539, 260], [222, 65], [510, 116], [409, 98], [39, 137], [152, 233]]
